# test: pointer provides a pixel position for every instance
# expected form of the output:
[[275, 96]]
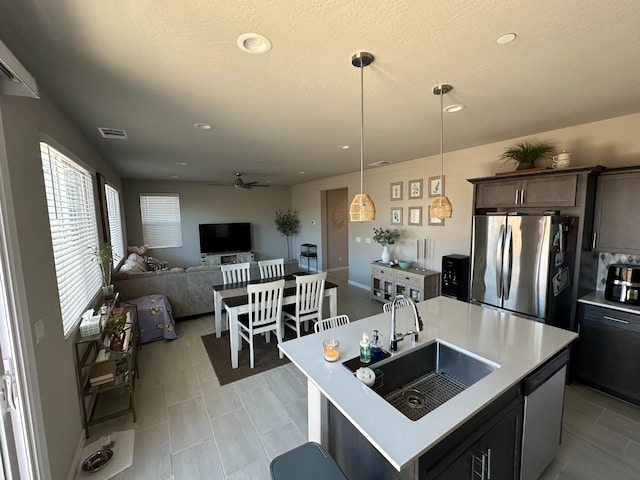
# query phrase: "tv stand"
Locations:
[[226, 258]]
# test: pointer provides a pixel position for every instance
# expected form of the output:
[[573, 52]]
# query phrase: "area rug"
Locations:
[[265, 355]]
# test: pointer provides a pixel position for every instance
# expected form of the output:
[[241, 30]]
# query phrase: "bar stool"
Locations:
[[309, 461]]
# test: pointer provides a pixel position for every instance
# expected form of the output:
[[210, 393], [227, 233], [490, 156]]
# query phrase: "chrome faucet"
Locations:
[[394, 337]]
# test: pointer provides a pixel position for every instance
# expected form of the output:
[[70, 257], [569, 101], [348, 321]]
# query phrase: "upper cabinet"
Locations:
[[553, 191], [537, 189], [616, 227]]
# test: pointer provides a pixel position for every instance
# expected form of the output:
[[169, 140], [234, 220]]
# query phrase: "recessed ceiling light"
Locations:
[[202, 126], [181, 163], [254, 43], [174, 176], [453, 108], [301, 173], [344, 147], [506, 38]]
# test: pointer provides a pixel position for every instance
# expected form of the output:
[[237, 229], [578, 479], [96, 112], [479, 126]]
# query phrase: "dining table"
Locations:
[[233, 297]]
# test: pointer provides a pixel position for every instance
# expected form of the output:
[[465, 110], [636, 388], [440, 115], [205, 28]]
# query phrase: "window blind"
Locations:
[[115, 223], [161, 220], [74, 233]]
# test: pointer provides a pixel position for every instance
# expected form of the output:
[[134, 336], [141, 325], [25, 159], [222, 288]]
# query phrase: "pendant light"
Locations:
[[362, 207], [441, 207]]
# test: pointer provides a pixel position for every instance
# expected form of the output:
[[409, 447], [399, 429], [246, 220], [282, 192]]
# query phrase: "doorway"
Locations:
[[335, 233]]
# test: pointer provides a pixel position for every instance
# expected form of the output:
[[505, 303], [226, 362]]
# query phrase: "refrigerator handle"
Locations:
[[507, 262], [499, 257]]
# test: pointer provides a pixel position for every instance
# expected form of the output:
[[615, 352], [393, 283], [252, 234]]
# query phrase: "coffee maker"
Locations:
[[455, 277]]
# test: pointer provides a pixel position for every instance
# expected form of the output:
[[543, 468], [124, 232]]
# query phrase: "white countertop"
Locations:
[[597, 298], [517, 344]]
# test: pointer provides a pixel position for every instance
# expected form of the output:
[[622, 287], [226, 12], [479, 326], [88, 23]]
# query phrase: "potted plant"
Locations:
[[104, 257], [525, 154], [287, 224], [385, 237]]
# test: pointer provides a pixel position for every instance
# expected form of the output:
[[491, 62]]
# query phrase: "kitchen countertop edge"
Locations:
[[597, 298]]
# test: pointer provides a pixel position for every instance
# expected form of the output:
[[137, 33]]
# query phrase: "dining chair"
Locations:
[[265, 313], [235, 272], [308, 306], [402, 302], [331, 322], [271, 268]]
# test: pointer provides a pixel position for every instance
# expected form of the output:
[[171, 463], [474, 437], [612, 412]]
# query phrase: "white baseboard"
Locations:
[[359, 285]]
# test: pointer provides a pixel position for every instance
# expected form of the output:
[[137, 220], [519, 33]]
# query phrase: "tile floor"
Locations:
[[189, 427]]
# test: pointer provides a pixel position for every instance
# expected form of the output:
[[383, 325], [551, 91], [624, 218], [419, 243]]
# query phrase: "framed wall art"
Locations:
[[396, 216], [415, 189], [435, 222], [396, 191], [415, 216], [435, 186]]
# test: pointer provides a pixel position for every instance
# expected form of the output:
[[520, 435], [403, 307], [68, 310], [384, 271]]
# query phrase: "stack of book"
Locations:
[[101, 373]]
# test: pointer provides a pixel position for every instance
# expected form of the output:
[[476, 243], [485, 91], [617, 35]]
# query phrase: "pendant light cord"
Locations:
[[361, 125], [442, 194]]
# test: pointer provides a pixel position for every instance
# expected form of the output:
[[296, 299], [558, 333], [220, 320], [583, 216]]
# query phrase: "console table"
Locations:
[[226, 258], [415, 283]]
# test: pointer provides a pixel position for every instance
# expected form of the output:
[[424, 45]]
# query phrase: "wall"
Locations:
[[23, 121], [202, 203], [612, 143]]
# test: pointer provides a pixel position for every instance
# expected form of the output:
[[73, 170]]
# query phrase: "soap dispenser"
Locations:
[[365, 349], [376, 346]]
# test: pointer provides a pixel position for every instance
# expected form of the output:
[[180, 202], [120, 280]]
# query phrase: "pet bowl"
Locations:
[[403, 264], [97, 460]]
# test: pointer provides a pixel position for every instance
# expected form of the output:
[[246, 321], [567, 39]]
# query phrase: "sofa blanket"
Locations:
[[155, 320]]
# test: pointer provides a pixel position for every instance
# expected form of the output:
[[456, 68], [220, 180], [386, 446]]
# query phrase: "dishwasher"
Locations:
[[543, 405]]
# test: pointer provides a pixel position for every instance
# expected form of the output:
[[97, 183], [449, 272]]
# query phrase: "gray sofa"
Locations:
[[188, 290]]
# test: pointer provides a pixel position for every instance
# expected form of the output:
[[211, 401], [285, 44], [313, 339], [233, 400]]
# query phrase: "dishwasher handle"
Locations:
[[544, 373]]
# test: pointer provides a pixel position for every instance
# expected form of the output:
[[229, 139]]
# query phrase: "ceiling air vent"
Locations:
[[116, 133], [379, 163], [14, 78]]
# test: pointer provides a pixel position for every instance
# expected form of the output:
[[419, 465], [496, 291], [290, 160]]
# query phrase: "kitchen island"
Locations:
[[516, 345]]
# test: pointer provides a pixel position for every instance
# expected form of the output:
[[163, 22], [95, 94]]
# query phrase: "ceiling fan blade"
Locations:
[[220, 184]]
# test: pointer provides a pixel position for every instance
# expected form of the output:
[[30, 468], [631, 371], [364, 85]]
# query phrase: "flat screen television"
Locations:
[[225, 237]]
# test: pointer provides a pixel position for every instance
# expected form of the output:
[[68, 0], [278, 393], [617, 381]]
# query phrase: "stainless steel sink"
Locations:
[[422, 380]]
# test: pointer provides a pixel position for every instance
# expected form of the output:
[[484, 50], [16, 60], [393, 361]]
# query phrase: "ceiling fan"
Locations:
[[239, 183]]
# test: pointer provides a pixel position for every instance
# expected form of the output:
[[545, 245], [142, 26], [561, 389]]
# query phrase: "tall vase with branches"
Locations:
[[104, 257], [287, 224]]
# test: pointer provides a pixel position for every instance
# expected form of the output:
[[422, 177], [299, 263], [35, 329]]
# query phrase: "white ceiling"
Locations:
[[156, 67]]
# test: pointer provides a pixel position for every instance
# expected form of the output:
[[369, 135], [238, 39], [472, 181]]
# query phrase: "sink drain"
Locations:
[[414, 398]]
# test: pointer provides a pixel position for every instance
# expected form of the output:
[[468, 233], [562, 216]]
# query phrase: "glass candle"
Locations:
[[331, 350]]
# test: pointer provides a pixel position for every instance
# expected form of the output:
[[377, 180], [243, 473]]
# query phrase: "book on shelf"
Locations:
[[102, 382], [102, 371]]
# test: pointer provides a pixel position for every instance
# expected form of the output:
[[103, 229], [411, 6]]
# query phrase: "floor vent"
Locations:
[[113, 133]]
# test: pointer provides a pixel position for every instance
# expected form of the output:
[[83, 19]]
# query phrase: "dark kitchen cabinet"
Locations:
[[608, 351], [546, 191], [494, 456], [618, 196], [493, 434]]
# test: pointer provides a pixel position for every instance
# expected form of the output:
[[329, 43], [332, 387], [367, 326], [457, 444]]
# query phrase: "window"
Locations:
[[161, 220], [74, 233], [115, 223]]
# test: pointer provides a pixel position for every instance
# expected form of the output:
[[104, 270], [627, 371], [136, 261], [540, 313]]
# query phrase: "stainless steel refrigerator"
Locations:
[[523, 264]]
